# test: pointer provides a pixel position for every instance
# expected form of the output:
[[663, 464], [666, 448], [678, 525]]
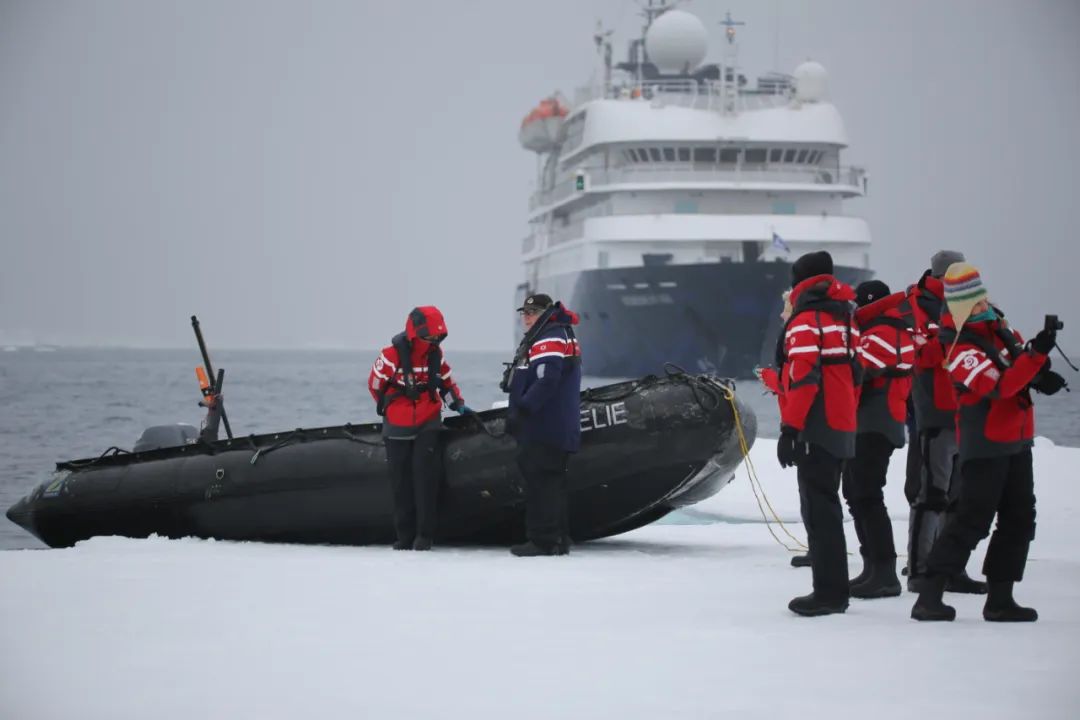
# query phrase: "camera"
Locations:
[[1052, 324]]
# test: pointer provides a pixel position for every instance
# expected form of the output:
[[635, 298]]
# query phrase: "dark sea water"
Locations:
[[76, 403]]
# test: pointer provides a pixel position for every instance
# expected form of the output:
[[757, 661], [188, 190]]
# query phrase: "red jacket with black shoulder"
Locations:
[[887, 354]]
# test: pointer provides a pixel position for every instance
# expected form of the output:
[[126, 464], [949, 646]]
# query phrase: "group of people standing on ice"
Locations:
[[411, 381], [852, 368]]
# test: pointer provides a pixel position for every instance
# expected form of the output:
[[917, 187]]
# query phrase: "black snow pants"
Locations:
[[863, 485], [415, 472], [544, 470], [819, 495]]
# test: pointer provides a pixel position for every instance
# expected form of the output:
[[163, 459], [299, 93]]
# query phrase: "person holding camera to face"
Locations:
[[993, 373]]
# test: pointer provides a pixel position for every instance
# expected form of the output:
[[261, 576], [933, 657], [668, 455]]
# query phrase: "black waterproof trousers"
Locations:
[[819, 496], [1002, 486], [863, 485], [544, 470], [415, 472]]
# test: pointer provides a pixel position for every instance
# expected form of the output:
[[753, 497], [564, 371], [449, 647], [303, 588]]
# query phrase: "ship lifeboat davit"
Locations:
[[648, 446], [540, 128]]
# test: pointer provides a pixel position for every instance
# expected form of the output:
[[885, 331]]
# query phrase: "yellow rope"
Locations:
[[755, 482]]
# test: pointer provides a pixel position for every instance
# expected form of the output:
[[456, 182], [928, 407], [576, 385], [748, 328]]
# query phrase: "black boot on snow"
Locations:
[[403, 545], [963, 583], [1000, 606], [862, 577], [563, 546], [929, 606], [422, 543], [801, 560], [812, 606], [531, 549], [881, 583]]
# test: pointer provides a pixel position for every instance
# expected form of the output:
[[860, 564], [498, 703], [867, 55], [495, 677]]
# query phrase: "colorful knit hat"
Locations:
[[963, 291]]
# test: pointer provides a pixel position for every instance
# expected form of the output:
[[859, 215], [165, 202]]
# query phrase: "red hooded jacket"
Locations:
[[887, 354], [996, 416], [932, 392], [387, 375], [817, 379]]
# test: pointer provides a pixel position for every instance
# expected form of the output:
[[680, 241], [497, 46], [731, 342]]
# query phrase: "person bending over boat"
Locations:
[[545, 419], [410, 381], [818, 420], [994, 374]]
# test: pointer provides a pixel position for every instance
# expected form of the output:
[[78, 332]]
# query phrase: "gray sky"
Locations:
[[302, 174]]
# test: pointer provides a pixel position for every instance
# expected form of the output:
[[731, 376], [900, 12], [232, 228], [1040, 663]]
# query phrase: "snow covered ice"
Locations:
[[670, 621]]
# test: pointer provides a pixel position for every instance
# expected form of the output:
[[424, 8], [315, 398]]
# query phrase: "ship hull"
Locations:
[[720, 318]]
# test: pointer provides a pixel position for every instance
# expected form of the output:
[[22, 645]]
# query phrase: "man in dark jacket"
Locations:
[[545, 419], [818, 420], [994, 374], [410, 381]]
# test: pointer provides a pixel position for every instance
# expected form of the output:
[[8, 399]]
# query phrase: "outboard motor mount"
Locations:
[[166, 436]]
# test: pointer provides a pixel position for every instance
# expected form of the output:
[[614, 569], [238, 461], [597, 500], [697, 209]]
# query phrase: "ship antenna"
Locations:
[[602, 38], [729, 73]]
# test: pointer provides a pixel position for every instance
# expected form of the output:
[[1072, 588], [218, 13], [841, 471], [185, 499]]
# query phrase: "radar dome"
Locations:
[[811, 82], [676, 41]]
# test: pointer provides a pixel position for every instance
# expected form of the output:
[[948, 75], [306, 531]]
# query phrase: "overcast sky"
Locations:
[[301, 174]]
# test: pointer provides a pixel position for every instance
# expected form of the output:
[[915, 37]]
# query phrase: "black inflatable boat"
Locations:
[[648, 447]]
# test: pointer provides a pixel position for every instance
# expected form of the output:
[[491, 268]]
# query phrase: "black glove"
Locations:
[[1048, 382], [788, 447], [1044, 342]]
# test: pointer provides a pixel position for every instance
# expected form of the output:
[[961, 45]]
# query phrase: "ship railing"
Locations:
[[687, 92], [601, 179]]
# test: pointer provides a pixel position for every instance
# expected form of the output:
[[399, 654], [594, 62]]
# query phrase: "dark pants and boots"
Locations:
[[819, 490], [863, 485], [415, 472], [1001, 486], [546, 519], [940, 483]]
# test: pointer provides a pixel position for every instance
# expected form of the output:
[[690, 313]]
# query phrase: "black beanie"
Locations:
[[809, 265], [870, 291]]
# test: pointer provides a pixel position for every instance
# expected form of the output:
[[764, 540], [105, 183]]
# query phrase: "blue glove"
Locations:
[[463, 409]]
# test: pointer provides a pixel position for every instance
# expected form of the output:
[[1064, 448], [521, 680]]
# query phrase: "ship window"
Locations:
[[643, 155], [775, 155], [755, 155], [813, 157], [654, 154], [631, 155], [789, 156], [802, 156], [729, 155], [669, 154], [684, 154], [704, 155]]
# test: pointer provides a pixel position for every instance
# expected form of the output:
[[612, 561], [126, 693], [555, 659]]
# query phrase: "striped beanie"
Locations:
[[963, 290]]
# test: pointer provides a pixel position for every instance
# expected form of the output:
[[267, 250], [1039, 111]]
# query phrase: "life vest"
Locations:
[[404, 380]]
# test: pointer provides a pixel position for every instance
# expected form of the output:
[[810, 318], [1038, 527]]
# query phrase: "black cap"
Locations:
[[811, 264], [536, 303], [871, 291]]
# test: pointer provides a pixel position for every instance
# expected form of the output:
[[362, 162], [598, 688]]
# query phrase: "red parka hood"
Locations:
[[564, 315], [888, 306], [424, 321], [821, 287]]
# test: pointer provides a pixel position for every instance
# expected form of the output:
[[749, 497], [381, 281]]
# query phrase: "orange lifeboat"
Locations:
[[540, 128]]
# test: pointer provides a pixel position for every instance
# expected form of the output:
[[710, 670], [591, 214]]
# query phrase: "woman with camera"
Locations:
[[993, 374]]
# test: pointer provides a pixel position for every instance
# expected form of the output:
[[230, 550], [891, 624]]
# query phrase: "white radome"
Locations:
[[811, 82], [677, 41]]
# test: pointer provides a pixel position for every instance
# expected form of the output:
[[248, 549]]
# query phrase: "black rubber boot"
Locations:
[[929, 606], [531, 549], [563, 546], [422, 543], [862, 577], [881, 583], [801, 560], [812, 606], [963, 583], [1000, 606], [403, 545]]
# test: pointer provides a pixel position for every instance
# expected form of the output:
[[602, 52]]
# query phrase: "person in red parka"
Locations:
[[887, 353], [993, 373], [410, 381], [818, 420]]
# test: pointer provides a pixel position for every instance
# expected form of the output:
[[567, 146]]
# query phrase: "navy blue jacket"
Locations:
[[545, 389]]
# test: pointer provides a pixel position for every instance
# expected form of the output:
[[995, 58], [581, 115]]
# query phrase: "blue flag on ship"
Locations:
[[779, 244]]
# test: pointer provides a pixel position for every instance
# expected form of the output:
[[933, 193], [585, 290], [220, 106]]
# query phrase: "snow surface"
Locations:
[[670, 621]]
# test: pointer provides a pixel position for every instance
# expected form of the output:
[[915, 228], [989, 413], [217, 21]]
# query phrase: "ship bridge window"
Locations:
[[705, 155], [684, 154], [814, 157], [654, 154], [789, 155], [755, 155], [669, 154], [802, 156], [632, 155], [729, 155], [775, 155], [643, 155]]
